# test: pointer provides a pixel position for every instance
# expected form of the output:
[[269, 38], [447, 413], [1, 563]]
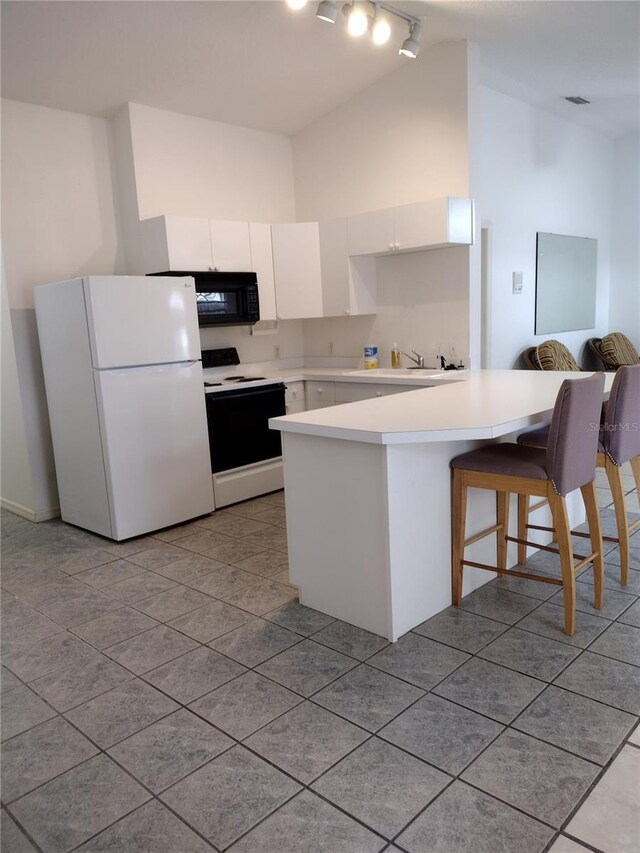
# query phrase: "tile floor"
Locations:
[[169, 695]]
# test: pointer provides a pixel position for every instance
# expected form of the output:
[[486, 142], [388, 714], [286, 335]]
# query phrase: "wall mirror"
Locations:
[[566, 271]]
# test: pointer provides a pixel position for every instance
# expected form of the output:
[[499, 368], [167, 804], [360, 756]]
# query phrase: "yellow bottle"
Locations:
[[395, 356]]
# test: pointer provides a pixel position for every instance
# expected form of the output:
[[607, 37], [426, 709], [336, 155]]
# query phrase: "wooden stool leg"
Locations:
[[614, 476], [635, 467], [563, 537], [523, 520], [502, 518], [458, 521], [595, 532]]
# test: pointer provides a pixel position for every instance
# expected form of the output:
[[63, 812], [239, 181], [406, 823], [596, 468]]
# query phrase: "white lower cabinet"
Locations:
[[294, 398], [352, 392], [320, 394]]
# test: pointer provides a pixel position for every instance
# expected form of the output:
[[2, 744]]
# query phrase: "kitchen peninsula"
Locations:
[[367, 489]]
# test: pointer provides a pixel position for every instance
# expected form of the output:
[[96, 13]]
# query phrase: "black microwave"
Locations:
[[224, 298]]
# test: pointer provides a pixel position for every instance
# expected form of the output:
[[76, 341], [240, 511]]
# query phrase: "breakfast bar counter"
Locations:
[[367, 489]]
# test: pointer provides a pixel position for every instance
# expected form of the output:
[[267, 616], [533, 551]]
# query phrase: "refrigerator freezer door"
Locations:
[[155, 441], [138, 320]]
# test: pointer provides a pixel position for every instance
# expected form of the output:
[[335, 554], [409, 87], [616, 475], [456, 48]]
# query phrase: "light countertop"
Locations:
[[453, 406], [385, 376]]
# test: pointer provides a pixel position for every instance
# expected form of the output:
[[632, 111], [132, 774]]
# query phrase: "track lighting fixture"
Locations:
[[363, 15], [357, 18], [328, 11], [380, 28], [411, 46]]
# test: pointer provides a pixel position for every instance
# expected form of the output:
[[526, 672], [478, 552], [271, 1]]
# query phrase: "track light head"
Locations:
[[357, 18], [380, 28], [364, 15], [411, 45], [328, 11]]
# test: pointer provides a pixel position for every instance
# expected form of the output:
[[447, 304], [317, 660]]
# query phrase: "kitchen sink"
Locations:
[[398, 371]]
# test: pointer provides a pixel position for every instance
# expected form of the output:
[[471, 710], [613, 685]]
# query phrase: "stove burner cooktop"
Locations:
[[211, 384], [243, 378]]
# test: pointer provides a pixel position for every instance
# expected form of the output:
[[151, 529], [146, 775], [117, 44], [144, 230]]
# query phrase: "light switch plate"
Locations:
[[516, 286]]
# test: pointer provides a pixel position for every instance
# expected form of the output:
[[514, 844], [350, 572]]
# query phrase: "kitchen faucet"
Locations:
[[419, 359]]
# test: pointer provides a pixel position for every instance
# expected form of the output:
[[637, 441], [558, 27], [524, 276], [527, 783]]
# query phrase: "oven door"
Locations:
[[238, 422]]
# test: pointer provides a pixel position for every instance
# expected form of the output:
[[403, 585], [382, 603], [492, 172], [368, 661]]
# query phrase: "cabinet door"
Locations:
[[352, 392], [422, 224], [372, 233], [262, 265], [294, 392], [188, 243], [297, 270], [230, 246], [334, 259], [319, 394]]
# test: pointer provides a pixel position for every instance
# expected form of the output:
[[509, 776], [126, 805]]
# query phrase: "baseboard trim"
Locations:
[[28, 513]]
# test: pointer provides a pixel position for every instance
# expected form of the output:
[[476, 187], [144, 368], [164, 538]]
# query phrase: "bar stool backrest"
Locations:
[[621, 435], [574, 432]]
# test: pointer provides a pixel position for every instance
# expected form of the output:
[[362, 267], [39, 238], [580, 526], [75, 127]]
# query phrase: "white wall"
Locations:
[[190, 166], [169, 163], [538, 172], [625, 239], [403, 139], [58, 220], [15, 486], [423, 304]]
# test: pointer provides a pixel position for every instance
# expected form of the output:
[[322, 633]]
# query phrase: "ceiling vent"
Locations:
[[576, 99]]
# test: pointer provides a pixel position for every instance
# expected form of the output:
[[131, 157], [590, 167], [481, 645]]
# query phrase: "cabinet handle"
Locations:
[[347, 312], [392, 246], [320, 390], [378, 393]]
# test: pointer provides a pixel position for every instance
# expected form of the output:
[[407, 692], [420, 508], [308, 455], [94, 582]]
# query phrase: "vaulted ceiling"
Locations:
[[260, 65]]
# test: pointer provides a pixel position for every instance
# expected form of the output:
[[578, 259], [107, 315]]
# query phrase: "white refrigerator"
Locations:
[[123, 377]]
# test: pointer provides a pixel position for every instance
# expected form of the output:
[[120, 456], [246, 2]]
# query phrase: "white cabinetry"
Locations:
[[230, 246], [185, 243], [320, 394], [314, 276], [429, 224], [372, 233], [262, 265], [348, 284], [352, 392], [294, 398], [297, 270]]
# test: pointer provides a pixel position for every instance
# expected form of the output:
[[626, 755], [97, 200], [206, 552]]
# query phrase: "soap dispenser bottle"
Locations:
[[395, 356]]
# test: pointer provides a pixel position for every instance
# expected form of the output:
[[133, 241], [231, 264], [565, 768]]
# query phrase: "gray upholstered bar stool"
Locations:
[[619, 442], [567, 464]]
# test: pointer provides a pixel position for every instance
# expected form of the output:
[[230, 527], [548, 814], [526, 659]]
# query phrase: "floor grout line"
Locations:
[[357, 663]]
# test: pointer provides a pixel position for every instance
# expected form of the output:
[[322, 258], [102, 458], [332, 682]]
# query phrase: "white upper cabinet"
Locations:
[[372, 233], [230, 246], [348, 285], [176, 243], [297, 270], [429, 224], [185, 243], [262, 265]]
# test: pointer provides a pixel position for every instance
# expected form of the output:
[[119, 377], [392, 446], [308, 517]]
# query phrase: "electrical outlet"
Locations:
[[276, 351], [330, 347], [516, 283]]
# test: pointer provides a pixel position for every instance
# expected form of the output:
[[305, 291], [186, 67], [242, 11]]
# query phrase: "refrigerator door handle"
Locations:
[[148, 368]]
